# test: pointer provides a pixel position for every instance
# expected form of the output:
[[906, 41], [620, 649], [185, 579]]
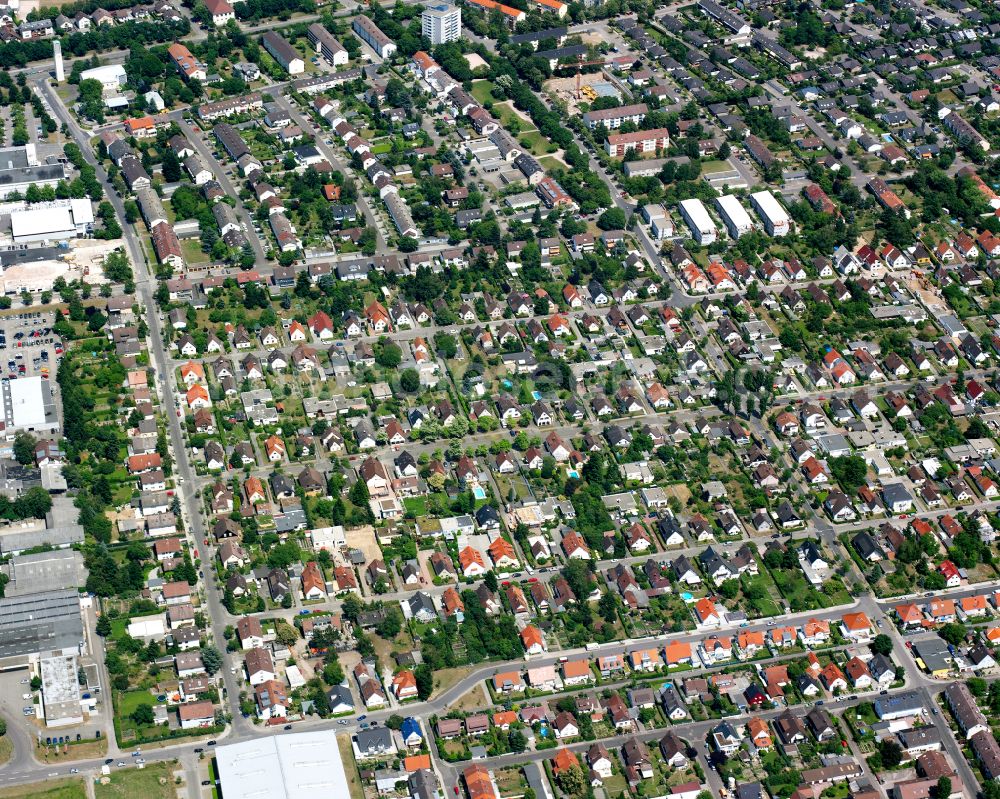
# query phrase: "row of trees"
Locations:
[[100, 39]]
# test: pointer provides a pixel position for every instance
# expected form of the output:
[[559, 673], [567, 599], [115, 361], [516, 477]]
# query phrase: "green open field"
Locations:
[[538, 143], [481, 90], [192, 251], [152, 782], [711, 167], [128, 702], [54, 789]]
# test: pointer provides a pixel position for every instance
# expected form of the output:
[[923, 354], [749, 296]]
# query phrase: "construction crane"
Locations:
[[578, 66]]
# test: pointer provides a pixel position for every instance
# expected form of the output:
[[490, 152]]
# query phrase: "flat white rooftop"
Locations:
[[56, 219], [27, 402], [303, 765]]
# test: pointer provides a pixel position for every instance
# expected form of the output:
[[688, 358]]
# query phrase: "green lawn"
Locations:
[[506, 114], [711, 167], [128, 702], [800, 595], [534, 139], [615, 785], [56, 789], [415, 505], [119, 627], [481, 90], [134, 783], [382, 147], [192, 251]]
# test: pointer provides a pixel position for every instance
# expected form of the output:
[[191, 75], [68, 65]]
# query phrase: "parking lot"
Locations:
[[15, 687], [27, 345]]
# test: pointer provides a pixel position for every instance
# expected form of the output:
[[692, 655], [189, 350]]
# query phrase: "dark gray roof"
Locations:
[[33, 623], [376, 739]]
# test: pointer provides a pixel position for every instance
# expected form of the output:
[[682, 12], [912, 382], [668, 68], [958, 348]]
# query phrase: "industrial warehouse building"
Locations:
[[44, 571], [19, 169], [296, 766], [27, 405], [59, 220], [42, 623]]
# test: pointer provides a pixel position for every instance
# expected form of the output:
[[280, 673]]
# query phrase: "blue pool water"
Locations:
[[573, 473], [536, 394], [479, 492], [687, 597]]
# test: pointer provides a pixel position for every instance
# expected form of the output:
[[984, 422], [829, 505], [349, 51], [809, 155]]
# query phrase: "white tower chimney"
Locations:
[[57, 54]]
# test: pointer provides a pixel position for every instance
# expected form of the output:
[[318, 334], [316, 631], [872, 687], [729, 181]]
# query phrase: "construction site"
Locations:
[[581, 89]]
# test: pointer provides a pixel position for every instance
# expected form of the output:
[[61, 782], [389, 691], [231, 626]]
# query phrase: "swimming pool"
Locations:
[[687, 597], [536, 394], [479, 492]]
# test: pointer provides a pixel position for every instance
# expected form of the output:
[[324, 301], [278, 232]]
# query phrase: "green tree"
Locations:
[[954, 633], [409, 380], [333, 673], [390, 626], [572, 782], [103, 626], [425, 681], [891, 753], [285, 633], [360, 497], [882, 645], [351, 608], [850, 471], [612, 219], [942, 790], [608, 607], [211, 658], [24, 448], [446, 345], [394, 722], [387, 353], [143, 714], [729, 588]]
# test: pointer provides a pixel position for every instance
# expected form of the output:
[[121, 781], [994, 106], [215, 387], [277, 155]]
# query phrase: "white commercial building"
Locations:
[[696, 216], [61, 692], [111, 77], [301, 765], [775, 219], [27, 405], [441, 23], [58, 220], [734, 215]]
